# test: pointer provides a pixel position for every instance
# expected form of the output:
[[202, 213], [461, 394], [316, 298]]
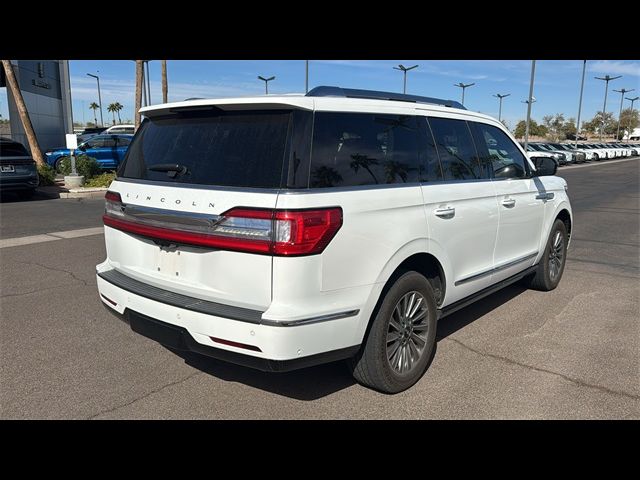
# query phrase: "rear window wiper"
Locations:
[[172, 169]]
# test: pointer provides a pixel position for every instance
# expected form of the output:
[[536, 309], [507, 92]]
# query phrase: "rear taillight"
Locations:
[[251, 230]]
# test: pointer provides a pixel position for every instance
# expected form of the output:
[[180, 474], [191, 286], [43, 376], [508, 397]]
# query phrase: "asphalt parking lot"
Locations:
[[572, 353]]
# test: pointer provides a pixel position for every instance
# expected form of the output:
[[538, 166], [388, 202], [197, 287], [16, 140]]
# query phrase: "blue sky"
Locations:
[[557, 82]]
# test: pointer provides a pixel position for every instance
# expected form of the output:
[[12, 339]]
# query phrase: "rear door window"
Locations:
[[215, 147], [457, 152], [354, 149]]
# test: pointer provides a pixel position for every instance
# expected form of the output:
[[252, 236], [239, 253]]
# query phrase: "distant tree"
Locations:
[[629, 120], [112, 108], [554, 125], [593, 125], [77, 124], [535, 130], [506, 125], [118, 108], [569, 128], [94, 106]]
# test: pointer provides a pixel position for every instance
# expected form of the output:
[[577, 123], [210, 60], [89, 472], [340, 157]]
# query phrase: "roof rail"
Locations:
[[325, 91]]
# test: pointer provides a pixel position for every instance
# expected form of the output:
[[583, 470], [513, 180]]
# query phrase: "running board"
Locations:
[[454, 307]]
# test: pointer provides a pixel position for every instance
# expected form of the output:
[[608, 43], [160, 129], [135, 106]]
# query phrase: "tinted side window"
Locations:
[[456, 149], [297, 170], [123, 141], [95, 142], [364, 149], [506, 160], [109, 142], [431, 171]]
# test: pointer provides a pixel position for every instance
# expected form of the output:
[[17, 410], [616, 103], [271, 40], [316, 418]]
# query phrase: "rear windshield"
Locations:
[[10, 149], [232, 149]]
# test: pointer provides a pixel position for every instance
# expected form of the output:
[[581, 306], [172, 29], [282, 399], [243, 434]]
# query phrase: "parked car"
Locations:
[[576, 155], [562, 157], [599, 153], [582, 154], [108, 150], [572, 136], [130, 129], [281, 232], [18, 172], [89, 132]]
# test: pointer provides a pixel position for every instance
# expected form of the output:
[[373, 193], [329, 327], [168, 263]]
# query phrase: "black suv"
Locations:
[[17, 169]]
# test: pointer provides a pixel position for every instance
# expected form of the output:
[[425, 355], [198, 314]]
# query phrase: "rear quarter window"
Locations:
[[356, 149]]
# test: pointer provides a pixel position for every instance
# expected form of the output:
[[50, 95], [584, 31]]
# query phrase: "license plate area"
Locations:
[[168, 262], [7, 168]]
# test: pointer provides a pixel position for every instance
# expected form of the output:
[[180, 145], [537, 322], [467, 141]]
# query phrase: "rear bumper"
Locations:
[[179, 338], [22, 182], [183, 326]]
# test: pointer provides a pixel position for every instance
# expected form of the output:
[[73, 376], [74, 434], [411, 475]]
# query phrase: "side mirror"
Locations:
[[545, 166]]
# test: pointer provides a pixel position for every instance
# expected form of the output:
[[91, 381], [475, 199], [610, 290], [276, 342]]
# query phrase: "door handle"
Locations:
[[509, 203], [445, 212]]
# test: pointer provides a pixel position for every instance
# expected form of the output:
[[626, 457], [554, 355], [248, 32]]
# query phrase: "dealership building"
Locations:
[[46, 91]]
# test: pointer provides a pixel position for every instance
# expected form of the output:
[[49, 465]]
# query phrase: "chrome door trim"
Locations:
[[493, 270]]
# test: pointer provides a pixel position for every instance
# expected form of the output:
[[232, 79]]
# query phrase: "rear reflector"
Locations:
[[109, 300], [236, 344], [250, 230]]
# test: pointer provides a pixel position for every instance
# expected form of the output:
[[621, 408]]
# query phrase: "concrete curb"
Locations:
[[56, 191]]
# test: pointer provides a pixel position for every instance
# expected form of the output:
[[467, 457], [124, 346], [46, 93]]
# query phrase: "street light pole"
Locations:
[[463, 87], [306, 76], [529, 102], [584, 67], [622, 91], [404, 70], [632, 102], [148, 82], [499, 96], [99, 96], [266, 83], [607, 79]]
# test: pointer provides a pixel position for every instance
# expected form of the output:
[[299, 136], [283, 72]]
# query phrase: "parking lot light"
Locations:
[[266, 83], [584, 68], [632, 100], [529, 102], [498, 95], [404, 70], [99, 96], [607, 79], [463, 87], [622, 91]]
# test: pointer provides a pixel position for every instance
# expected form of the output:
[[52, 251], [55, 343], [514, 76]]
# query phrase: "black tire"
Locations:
[[371, 366], [544, 279]]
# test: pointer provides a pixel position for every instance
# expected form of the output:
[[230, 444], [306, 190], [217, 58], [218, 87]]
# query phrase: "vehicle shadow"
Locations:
[[317, 382], [16, 197]]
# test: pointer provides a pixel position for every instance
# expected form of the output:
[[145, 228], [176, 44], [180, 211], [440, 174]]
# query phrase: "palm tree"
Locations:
[[112, 108], [325, 177], [165, 87], [94, 106], [364, 162], [118, 108], [138, 92], [36, 153]]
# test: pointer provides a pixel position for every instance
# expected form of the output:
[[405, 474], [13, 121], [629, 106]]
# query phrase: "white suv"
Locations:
[[280, 232]]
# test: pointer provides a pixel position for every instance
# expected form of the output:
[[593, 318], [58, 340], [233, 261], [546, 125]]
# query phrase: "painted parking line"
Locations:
[[595, 164], [50, 237]]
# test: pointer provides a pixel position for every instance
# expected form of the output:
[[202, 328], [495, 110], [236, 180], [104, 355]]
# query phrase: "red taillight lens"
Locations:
[[305, 232], [276, 232], [113, 197]]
